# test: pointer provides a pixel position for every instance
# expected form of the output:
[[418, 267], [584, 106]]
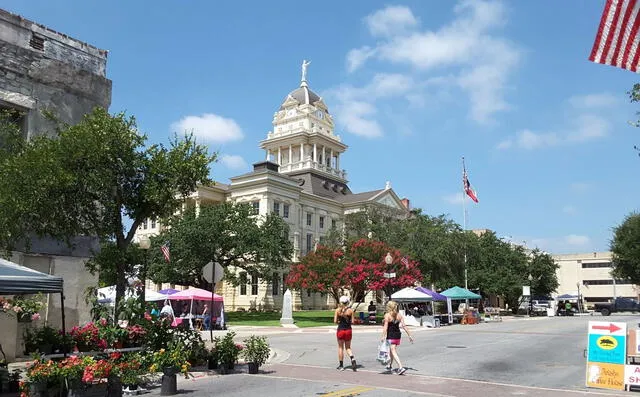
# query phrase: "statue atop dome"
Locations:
[[305, 65]]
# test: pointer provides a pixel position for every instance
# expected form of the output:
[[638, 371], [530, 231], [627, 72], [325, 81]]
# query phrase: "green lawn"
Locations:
[[310, 318]]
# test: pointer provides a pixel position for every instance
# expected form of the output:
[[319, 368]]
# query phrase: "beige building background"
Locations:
[[589, 274]]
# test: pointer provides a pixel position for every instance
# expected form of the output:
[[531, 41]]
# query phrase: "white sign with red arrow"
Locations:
[[607, 328]]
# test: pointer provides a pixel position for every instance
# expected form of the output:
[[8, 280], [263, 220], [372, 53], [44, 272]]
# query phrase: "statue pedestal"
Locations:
[[287, 309]]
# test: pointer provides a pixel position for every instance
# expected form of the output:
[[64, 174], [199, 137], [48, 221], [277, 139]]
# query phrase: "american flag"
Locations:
[[617, 39], [165, 251], [467, 187], [404, 261]]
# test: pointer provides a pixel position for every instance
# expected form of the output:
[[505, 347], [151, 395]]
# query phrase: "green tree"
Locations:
[[543, 270], [227, 233], [95, 178], [625, 247]]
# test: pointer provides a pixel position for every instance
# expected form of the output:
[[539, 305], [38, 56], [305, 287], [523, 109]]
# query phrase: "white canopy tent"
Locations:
[[410, 295], [107, 295]]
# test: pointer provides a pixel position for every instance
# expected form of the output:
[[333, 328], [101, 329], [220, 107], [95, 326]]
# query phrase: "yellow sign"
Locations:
[[605, 376], [606, 342]]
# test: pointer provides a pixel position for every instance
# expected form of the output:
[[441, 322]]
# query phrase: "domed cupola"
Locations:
[[302, 137]]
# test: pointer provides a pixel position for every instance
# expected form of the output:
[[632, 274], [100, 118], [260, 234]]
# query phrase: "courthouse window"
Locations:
[[243, 283], [285, 211], [276, 207], [254, 284], [255, 205]]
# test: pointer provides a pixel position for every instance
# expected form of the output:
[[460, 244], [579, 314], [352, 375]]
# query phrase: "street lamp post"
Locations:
[[145, 243], [389, 275], [530, 294]]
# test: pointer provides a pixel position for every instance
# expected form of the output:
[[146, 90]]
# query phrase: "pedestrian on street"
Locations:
[[391, 332], [343, 316]]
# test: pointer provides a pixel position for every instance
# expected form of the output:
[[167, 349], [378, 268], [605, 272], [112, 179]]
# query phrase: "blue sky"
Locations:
[[413, 85]]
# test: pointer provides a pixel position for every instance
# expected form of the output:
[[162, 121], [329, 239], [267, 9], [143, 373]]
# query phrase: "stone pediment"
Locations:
[[290, 101], [390, 200]]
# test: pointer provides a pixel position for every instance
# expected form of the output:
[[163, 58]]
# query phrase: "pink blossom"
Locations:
[[17, 309], [35, 316], [103, 322]]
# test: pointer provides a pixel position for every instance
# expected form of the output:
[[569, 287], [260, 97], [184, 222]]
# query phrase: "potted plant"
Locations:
[[256, 352], [228, 351], [42, 375], [130, 371], [212, 358], [170, 361], [14, 381]]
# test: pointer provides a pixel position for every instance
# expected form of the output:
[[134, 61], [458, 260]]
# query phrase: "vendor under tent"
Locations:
[[458, 293], [107, 295], [198, 294], [20, 280], [410, 295], [437, 297]]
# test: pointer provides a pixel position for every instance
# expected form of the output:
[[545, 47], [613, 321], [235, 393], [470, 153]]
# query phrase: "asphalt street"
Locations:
[[538, 356]]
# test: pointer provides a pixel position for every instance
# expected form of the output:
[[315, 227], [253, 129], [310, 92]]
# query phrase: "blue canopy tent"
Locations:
[[458, 293]]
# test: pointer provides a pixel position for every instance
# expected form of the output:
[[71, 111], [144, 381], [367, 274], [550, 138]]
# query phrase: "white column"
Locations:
[[331, 159], [315, 153], [338, 161], [268, 153], [324, 157], [302, 152], [290, 155], [279, 156]]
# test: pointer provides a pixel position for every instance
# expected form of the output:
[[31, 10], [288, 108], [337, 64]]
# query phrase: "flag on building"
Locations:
[[617, 39], [405, 261], [165, 251], [467, 186]]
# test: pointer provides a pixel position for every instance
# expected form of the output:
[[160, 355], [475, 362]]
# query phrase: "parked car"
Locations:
[[618, 305]]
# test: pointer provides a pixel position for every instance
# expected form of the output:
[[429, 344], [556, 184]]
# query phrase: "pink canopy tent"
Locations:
[[197, 294]]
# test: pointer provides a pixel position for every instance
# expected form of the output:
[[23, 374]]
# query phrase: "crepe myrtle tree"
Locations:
[[359, 269], [96, 178]]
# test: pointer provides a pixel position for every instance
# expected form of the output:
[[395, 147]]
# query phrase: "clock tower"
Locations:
[[303, 138]]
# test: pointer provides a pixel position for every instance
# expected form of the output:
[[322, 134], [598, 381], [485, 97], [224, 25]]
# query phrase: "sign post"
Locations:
[[607, 354]]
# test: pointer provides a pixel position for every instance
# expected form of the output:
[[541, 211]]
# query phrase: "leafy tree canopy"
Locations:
[[625, 247], [227, 233], [90, 178]]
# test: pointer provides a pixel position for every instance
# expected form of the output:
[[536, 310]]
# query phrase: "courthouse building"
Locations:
[[300, 178]]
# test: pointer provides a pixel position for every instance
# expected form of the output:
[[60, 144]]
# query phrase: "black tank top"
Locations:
[[344, 322], [393, 329]]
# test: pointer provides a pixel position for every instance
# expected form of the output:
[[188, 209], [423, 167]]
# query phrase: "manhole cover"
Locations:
[[456, 347]]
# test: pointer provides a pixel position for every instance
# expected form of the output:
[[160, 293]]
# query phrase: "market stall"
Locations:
[[216, 312], [457, 294], [408, 296]]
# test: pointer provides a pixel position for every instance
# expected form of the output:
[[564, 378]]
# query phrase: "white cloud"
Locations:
[[591, 101], [390, 21], [563, 244], [210, 127], [358, 56], [583, 128], [576, 240], [233, 162], [465, 53], [455, 198], [580, 187], [569, 210], [385, 85], [357, 119]]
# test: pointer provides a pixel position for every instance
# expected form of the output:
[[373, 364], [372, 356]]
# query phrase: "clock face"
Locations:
[[291, 112], [320, 114]]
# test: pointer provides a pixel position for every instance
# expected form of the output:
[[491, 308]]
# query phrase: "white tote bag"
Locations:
[[383, 352]]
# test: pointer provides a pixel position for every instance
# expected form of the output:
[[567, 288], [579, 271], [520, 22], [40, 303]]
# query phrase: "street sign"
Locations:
[[389, 275], [632, 375], [607, 354], [208, 268], [526, 290]]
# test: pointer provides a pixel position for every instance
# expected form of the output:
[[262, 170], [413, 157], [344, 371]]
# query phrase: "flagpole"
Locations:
[[464, 222]]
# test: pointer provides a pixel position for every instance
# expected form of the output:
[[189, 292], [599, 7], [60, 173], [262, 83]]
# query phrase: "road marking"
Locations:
[[349, 392], [482, 382]]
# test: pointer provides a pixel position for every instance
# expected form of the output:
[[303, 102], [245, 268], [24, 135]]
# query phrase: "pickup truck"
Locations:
[[618, 305]]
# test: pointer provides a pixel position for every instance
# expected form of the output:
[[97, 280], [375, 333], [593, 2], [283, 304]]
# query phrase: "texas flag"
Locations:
[[467, 187]]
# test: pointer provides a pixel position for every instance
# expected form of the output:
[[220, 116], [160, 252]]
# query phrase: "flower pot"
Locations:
[[253, 368], [223, 369], [98, 390], [45, 349], [212, 363], [114, 387], [24, 319], [169, 371], [38, 389], [169, 385]]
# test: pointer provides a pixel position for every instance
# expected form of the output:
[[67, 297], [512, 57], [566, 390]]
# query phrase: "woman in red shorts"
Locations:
[[393, 321], [344, 317]]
